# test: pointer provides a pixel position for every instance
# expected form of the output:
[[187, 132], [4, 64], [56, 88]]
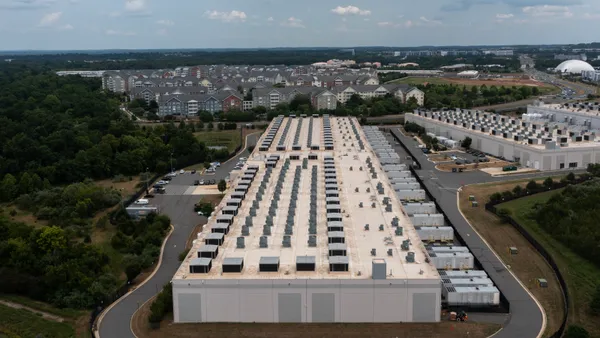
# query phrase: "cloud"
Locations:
[[430, 22], [547, 11], [293, 22], [350, 10], [25, 4], [66, 27], [50, 19], [589, 16], [135, 5], [164, 22], [504, 16], [120, 33], [162, 32], [464, 5], [408, 24], [270, 19], [233, 16]]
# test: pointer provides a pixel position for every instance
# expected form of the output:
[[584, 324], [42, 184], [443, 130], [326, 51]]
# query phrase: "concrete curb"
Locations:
[[160, 257], [544, 319], [136, 311]]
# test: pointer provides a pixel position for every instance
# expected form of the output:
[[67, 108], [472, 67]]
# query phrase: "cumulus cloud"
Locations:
[[162, 32], [50, 19], [293, 22], [504, 16], [270, 19], [547, 11], [120, 33], [464, 5], [66, 27], [350, 10], [591, 16], [430, 21], [164, 22], [408, 24], [233, 16], [25, 4], [135, 5]]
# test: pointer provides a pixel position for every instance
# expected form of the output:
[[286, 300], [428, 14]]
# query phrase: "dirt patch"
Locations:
[[439, 158], [24, 217], [45, 315], [507, 82], [527, 265], [493, 163], [126, 188]]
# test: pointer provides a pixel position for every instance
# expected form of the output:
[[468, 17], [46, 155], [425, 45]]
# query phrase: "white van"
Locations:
[[142, 201]]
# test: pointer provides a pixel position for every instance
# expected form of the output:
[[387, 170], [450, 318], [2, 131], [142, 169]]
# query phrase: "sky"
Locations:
[[133, 24]]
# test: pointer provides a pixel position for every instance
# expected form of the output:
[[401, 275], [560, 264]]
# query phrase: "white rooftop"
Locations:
[[348, 158]]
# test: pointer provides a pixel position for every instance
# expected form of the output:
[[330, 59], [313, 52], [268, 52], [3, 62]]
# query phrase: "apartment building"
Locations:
[[400, 91], [271, 97], [189, 105]]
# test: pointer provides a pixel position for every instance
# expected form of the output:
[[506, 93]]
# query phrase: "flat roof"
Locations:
[[499, 137], [291, 219]]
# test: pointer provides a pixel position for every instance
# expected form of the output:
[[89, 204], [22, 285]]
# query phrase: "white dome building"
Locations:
[[573, 67]]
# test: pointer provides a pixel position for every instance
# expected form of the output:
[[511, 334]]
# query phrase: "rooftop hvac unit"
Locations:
[[373, 252], [405, 245], [240, 243], [245, 231], [263, 242], [410, 257], [398, 231]]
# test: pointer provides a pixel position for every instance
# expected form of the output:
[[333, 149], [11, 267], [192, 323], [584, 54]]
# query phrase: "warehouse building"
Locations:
[[548, 137], [315, 233]]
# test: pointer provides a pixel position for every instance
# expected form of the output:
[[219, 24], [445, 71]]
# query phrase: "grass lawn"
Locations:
[[581, 275], [26, 324], [228, 138], [421, 80], [528, 265]]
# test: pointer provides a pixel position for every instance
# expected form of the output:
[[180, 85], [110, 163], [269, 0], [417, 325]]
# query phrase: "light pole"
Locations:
[[172, 161], [147, 179]]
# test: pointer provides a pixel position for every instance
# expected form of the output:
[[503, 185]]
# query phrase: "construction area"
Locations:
[[324, 224]]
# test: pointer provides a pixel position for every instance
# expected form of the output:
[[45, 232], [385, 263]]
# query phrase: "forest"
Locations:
[[572, 218], [59, 135], [448, 95]]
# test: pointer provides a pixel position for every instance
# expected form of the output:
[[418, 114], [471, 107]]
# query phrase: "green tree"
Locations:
[[595, 303], [504, 214], [222, 186], [532, 186], [466, 143], [8, 188], [495, 197], [205, 116], [25, 184], [576, 331], [52, 239], [570, 177], [517, 190], [210, 126], [548, 183], [133, 268]]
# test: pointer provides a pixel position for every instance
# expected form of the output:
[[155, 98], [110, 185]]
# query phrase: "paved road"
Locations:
[[525, 319], [180, 208]]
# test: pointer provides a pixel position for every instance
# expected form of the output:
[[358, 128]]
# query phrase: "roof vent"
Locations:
[[373, 252], [263, 242], [390, 252], [240, 243]]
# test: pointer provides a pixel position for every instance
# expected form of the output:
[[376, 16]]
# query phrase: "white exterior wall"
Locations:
[[427, 219], [417, 194], [386, 301], [420, 208], [542, 159], [406, 186]]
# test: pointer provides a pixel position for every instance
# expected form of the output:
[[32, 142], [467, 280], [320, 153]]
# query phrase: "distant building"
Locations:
[[468, 74], [499, 52], [591, 75], [564, 57]]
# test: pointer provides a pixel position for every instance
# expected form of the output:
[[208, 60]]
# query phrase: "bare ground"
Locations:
[[219, 330], [527, 265]]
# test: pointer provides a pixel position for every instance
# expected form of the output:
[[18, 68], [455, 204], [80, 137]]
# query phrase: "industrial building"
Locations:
[[314, 230], [548, 137]]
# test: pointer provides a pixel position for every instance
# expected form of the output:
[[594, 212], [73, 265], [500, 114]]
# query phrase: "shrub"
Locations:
[[575, 331], [532, 186], [548, 183], [570, 177], [183, 254], [517, 190], [595, 303], [162, 305], [495, 197], [507, 195], [504, 214]]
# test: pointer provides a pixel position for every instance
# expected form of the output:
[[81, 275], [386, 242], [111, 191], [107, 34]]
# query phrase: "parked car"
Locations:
[[194, 171], [160, 190], [167, 178], [162, 182], [243, 158], [200, 213], [182, 171], [196, 182], [142, 201]]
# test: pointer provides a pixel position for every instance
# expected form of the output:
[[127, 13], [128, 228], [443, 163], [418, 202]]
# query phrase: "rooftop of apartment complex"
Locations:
[[534, 129], [312, 202]]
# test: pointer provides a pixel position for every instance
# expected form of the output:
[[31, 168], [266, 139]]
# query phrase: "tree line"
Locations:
[[450, 95]]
